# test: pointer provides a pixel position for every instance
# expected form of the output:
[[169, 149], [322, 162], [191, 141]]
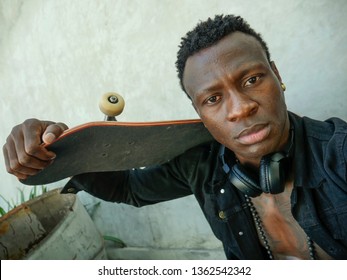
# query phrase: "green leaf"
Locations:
[[117, 241], [2, 211]]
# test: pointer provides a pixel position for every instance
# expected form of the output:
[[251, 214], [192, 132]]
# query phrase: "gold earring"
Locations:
[[283, 86]]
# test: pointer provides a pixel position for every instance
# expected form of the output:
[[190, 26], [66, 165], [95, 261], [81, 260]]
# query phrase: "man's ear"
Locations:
[[275, 70]]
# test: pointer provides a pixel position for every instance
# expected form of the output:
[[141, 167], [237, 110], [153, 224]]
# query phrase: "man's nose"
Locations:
[[240, 106]]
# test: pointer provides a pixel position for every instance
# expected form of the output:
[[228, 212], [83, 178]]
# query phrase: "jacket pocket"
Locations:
[[336, 221]]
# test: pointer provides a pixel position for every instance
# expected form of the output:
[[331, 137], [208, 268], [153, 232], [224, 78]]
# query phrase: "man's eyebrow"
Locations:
[[240, 71], [209, 88]]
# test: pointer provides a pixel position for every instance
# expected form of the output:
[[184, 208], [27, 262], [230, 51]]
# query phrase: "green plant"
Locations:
[[116, 241], [92, 209], [34, 192]]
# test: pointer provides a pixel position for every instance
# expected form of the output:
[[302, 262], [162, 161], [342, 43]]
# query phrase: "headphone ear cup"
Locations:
[[245, 181], [272, 173]]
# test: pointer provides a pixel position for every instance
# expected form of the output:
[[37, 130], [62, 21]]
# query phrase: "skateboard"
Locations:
[[111, 145]]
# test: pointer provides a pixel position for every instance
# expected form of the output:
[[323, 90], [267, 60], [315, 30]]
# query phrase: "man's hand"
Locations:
[[24, 152]]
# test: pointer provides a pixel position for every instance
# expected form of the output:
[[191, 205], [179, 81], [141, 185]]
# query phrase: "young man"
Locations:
[[272, 185]]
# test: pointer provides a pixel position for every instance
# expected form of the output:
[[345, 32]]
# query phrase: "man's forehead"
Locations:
[[233, 52]]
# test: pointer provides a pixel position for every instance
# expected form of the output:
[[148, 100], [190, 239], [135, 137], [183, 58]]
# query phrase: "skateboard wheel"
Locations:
[[111, 104]]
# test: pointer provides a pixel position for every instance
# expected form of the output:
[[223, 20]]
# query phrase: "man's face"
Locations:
[[237, 94]]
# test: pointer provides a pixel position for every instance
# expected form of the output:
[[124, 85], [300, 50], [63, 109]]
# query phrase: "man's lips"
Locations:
[[253, 134]]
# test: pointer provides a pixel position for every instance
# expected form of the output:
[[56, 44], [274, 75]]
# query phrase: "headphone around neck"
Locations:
[[272, 171]]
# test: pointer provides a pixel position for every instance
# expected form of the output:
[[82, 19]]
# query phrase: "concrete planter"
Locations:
[[51, 226]]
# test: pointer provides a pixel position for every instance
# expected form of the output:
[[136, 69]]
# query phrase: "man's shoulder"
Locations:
[[205, 150], [319, 129]]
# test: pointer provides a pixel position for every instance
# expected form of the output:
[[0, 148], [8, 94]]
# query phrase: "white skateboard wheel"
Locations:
[[111, 104]]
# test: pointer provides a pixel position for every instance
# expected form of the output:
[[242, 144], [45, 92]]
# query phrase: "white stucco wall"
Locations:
[[58, 57]]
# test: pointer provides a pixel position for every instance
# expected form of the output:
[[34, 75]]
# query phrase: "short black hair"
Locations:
[[208, 33]]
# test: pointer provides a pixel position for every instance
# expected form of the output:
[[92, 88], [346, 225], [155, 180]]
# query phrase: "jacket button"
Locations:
[[222, 191], [221, 214]]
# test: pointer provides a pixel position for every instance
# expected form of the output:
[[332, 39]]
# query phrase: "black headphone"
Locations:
[[272, 172]]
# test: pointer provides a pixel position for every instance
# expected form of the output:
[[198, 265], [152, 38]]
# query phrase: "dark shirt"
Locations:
[[318, 199]]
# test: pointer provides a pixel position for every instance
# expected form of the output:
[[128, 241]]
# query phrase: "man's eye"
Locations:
[[252, 80], [212, 99]]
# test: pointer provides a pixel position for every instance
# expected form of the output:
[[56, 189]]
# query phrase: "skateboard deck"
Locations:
[[111, 146]]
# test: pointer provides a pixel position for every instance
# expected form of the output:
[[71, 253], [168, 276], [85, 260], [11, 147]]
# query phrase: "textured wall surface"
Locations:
[[58, 57]]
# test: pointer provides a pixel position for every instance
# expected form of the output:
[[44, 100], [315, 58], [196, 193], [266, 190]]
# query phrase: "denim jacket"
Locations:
[[318, 199]]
